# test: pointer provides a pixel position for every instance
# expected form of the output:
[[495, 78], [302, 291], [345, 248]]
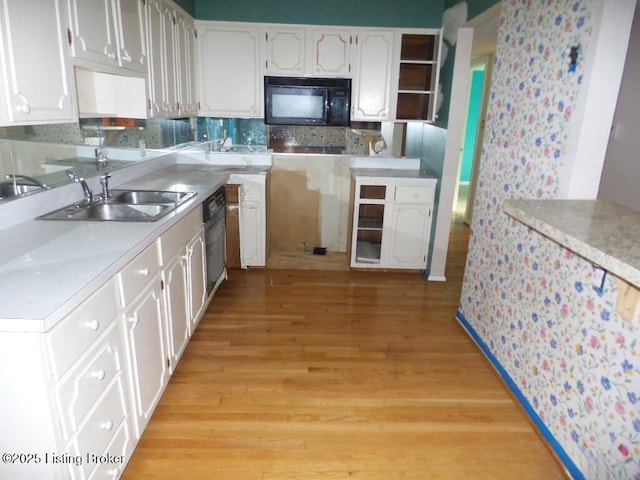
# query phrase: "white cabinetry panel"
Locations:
[[285, 51], [391, 221], [331, 52], [33, 47], [229, 77], [372, 85]]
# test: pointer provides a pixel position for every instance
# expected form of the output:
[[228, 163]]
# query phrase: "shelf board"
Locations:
[[365, 223], [367, 252]]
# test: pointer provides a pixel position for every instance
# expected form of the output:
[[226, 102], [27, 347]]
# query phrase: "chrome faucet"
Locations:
[[101, 158], [88, 193], [104, 181], [33, 181]]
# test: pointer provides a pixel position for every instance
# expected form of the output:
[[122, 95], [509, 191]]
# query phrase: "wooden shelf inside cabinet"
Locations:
[[417, 81]]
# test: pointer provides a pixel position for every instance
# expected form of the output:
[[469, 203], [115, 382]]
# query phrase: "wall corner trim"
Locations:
[[571, 469]]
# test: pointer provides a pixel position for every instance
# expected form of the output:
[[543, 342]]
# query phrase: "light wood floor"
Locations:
[[316, 375]]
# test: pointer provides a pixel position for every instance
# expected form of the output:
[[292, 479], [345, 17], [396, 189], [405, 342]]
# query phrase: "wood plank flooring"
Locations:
[[314, 375]]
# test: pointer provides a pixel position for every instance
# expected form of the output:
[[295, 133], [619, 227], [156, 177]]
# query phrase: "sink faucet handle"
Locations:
[[88, 193], [104, 181]]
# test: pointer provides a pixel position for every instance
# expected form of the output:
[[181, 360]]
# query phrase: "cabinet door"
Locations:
[[132, 48], [32, 45], [172, 108], [143, 330], [93, 32], [155, 45], [185, 38], [407, 236], [176, 307], [285, 51], [197, 278], [372, 86], [252, 233], [331, 53], [229, 78]]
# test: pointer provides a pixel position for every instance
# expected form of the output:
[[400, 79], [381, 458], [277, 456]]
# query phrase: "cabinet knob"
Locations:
[[108, 425], [134, 320], [114, 472], [25, 108], [99, 374], [144, 272], [93, 325]]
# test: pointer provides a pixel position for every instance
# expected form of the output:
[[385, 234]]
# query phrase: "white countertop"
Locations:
[[48, 267], [391, 173], [602, 232]]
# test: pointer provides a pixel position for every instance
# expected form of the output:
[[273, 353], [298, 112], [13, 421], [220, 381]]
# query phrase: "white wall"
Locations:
[[621, 172]]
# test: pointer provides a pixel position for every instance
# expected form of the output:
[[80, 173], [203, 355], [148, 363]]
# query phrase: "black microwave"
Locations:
[[307, 101]]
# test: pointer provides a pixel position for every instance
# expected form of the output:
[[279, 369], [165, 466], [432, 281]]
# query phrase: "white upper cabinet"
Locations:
[[372, 87], [92, 31], [32, 48], [108, 33], [285, 51], [229, 78], [170, 42], [132, 48], [307, 51], [161, 38], [171, 107], [331, 53], [185, 35]]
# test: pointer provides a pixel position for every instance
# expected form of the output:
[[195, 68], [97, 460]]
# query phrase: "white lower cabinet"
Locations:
[[252, 218], [142, 331], [196, 278], [182, 257], [176, 307], [77, 398], [391, 221]]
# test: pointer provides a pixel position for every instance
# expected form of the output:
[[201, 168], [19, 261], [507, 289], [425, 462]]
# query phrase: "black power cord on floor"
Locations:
[[314, 250]]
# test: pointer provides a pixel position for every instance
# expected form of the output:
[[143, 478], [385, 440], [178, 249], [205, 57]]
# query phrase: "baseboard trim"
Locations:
[[570, 467]]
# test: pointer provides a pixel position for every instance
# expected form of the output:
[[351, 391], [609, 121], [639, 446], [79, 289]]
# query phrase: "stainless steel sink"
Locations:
[[123, 206], [110, 211], [145, 197], [9, 189]]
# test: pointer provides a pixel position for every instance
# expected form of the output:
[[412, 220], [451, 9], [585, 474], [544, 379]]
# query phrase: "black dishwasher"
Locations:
[[213, 216]]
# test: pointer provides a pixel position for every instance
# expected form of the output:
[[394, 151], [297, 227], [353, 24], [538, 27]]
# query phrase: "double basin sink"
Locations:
[[123, 206]]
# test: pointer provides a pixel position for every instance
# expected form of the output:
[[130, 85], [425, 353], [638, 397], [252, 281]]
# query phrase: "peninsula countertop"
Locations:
[[603, 232]]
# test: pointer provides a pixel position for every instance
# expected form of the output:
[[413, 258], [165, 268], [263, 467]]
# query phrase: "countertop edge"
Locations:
[[523, 211]]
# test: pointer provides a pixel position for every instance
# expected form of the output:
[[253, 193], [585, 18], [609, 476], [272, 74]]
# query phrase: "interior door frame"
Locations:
[[487, 60], [455, 139]]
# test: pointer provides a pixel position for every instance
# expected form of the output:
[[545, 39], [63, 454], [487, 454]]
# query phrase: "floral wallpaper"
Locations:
[[545, 314]]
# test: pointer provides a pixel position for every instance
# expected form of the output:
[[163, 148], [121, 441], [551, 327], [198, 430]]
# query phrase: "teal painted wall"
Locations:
[[188, 6], [371, 13], [473, 116]]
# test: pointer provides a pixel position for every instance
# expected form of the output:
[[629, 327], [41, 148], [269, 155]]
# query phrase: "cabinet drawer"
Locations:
[[138, 273], [87, 380], [176, 238], [120, 450], [101, 427], [414, 193], [85, 324]]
